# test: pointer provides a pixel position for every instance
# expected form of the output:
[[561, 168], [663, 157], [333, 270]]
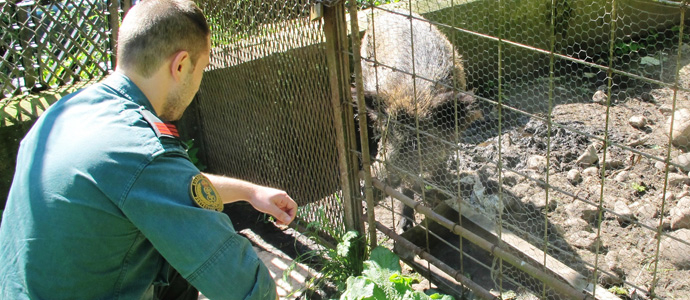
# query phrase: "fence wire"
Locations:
[[49, 44], [264, 105], [552, 129]]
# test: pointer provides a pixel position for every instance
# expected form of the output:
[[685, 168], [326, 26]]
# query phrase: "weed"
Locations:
[[617, 290]]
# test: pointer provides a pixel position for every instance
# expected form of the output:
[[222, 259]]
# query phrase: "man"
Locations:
[[105, 203]]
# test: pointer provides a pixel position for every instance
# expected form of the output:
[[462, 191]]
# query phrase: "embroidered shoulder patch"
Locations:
[[204, 193]]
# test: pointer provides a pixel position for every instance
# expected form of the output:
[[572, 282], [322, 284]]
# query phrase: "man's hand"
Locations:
[[274, 202], [268, 200]]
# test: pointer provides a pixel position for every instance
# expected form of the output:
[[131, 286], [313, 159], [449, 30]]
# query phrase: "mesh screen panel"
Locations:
[[565, 158], [264, 104]]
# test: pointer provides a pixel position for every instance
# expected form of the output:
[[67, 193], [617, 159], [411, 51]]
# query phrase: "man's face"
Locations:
[[182, 96]]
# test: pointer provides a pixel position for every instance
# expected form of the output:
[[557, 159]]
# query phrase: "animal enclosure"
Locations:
[[505, 149], [540, 143]]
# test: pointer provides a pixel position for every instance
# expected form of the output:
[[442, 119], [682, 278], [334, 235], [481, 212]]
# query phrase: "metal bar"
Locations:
[[559, 286], [457, 275]]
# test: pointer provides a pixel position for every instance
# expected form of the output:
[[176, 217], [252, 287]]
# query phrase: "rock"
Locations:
[[683, 162], [645, 211], [579, 209], [511, 178], [578, 224], [675, 179], [539, 201], [608, 279], [678, 253], [680, 214], [638, 142], [681, 128], [521, 190], [537, 163], [647, 97], [638, 122], [591, 172], [623, 213], [599, 97], [671, 197], [614, 164], [584, 240], [574, 176], [666, 109], [589, 157], [660, 165], [622, 176]]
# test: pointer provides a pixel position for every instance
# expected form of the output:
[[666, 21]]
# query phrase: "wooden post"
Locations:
[[335, 29]]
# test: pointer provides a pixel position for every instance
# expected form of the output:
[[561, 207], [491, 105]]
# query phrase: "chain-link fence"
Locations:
[[542, 144], [46, 44]]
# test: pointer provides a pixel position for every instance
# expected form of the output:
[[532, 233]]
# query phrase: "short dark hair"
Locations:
[[153, 30]]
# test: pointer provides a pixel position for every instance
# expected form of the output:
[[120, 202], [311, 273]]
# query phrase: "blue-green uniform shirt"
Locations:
[[100, 207]]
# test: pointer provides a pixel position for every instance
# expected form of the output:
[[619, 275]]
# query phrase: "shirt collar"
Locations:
[[128, 89]]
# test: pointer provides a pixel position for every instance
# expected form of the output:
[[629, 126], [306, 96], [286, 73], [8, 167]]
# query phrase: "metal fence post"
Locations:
[[335, 29]]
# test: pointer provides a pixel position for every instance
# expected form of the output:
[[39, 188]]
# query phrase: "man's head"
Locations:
[[154, 30], [163, 47]]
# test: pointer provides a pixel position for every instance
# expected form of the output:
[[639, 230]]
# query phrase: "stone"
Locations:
[[574, 176], [638, 142], [660, 165], [584, 240], [522, 189], [680, 214], [681, 128], [622, 176], [675, 179], [623, 213], [666, 108], [578, 224], [638, 122], [683, 162], [537, 163], [587, 158], [614, 164], [678, 253], [599, 97], [646, 211], [591, 172], [579, 209], [539, 201]]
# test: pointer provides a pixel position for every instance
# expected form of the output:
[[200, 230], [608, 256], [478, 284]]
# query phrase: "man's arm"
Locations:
[[264, 199]]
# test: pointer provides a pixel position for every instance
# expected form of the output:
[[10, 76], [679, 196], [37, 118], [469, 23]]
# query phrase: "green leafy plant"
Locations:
[[334, 265], [192, 152], [381, 279], [640, 188]]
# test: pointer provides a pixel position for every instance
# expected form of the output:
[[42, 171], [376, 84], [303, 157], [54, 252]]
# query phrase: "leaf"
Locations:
[[401, 283], [345, 245], [361, 288], [441, 297], [386, 259], [650, 61]]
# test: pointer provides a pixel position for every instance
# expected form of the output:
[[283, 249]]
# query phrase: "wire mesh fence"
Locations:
[[49, 44], [264, 105], [540, 142]]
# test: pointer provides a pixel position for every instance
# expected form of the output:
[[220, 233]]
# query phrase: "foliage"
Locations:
[[381, 279], [334, 265], [192, 153]]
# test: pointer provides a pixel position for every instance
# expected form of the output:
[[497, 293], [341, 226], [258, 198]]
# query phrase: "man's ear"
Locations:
[[181, 60]]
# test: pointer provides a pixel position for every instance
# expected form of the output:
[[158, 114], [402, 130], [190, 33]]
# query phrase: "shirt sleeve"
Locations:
[[200, 244]]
